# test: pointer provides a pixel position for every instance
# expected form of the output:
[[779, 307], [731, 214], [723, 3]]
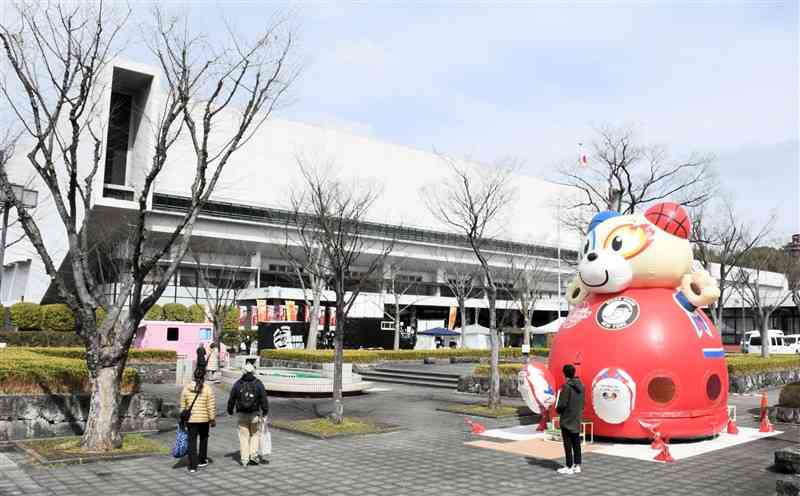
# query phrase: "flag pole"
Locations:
[[558, 251]]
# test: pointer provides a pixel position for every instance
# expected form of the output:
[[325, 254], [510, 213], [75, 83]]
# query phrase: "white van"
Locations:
[[793, 341], [751, 343]]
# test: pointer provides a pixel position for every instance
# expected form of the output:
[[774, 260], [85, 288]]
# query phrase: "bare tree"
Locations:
[[309, 264], [397, 286], [764, 299], [623, 175], [218, 284], [472, 201], [331, 215], [460, 280], [725, 240], [215, 98], [526, 275]]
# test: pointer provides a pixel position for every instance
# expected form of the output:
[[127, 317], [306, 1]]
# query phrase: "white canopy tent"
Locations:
[[550, 327], [476, 337]]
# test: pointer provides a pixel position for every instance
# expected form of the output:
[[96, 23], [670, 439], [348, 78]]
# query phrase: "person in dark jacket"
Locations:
[[570, 411], [249, 399]]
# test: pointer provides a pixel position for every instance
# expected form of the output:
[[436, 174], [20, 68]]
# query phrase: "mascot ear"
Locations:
[[576, 291], [671, 218]]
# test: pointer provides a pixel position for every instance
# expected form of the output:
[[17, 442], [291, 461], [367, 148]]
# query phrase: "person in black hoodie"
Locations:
[[249, 399], [570, 410]]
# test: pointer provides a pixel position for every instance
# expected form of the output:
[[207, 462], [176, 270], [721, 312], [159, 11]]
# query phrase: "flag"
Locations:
[[584, 160], [451, 321]]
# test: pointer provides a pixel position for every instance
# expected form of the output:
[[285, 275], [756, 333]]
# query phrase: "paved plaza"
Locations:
[[427, 457]]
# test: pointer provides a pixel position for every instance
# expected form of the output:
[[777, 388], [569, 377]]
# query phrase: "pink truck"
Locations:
[[183, 337]]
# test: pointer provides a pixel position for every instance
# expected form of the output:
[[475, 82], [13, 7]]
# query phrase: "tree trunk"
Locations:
[[462, 307], [526, 322], [765, 338], [313, 325], [338, 355], [396, 323], [494, 388], [104, 421]]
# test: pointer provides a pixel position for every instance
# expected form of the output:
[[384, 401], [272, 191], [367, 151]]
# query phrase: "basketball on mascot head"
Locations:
[[671, 218], [535, 384]]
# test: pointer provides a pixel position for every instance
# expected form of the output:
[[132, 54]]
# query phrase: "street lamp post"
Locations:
[[29, 198]]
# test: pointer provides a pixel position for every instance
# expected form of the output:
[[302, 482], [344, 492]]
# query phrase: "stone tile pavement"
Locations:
[[428, 457]]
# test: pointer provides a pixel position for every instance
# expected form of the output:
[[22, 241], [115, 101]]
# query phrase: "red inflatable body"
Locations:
[[645, 354]]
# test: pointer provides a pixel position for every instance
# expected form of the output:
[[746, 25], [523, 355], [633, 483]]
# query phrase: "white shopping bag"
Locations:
[[265, 441]]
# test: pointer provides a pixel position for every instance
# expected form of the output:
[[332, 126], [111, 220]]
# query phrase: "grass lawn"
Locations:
[[482, 410], [324, 428], [70, 449]]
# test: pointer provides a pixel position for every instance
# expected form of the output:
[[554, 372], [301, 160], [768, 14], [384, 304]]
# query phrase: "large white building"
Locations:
[[244, 225]]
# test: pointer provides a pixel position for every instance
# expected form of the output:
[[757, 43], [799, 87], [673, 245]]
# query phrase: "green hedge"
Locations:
[[506, 370], [40, 338], [197, 314], [156, 312], [25, 371], [175, 312], [134, 356], [371, 356], [750, 364], [26, 316], [57, 317]]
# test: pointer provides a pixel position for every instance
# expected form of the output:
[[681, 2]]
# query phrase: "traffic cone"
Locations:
[[732, 428], [658, 443], [475, 427], [542, 423], [664, 455], [765, 425]]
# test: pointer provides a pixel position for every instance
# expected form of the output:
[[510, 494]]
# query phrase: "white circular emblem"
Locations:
[[617, 313]]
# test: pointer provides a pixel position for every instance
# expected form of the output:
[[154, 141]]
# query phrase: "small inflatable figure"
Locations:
[[636, 332]]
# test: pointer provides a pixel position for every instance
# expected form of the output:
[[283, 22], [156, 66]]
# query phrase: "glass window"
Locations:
[[776, 341], [755, 340], [119, 127], [172, 333], [206, 334]]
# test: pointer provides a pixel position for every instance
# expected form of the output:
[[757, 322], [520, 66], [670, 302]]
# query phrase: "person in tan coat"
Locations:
[[200, 398]]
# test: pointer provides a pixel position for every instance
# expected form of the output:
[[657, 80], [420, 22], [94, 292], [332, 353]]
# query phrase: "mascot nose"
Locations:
[[591, 256]]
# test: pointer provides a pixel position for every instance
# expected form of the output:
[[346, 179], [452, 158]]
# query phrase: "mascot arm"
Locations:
[[576, 291], [700, 288]]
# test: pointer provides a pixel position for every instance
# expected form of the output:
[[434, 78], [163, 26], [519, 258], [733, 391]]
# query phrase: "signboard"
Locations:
[[282, 335]]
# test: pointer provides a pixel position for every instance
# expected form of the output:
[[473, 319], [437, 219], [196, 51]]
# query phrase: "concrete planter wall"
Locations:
[[480, 385], [24, 417], [753, 382], [155, 373]]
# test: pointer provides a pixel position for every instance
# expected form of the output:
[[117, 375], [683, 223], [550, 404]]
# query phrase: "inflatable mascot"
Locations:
[[649, 357]]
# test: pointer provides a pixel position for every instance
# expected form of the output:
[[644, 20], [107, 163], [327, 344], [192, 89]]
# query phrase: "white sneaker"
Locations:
[[576, 469], [565, 471]]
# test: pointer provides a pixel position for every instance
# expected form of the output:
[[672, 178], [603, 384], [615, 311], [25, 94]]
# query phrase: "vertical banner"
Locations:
[[332, 316], [451, 322], [262, 316], [291, 310]]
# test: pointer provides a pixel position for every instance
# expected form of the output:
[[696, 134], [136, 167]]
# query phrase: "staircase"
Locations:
[[410, 377]]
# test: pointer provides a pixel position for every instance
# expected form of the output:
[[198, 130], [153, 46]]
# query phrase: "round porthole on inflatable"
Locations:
[[613, 395], [661, 389], [713, 387]]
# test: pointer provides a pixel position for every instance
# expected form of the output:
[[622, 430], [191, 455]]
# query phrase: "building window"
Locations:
[[172, 333], [119, 130]]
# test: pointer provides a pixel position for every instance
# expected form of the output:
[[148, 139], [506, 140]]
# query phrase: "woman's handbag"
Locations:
[[181, 446]]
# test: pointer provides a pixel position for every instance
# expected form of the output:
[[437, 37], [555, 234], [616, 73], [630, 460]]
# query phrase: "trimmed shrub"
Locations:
[[232, 319], [505, 369], [134, 356], [57, 317], [753, 364], [155, 313], [40, 338], [26, 316], [790, 395], [25, 371], [175, 312], [197, 313], [372, 356]]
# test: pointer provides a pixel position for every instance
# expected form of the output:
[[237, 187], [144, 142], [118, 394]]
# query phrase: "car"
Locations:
[[751, 343]]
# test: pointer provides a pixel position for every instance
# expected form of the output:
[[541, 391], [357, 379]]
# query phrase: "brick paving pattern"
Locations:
[[427, 457]]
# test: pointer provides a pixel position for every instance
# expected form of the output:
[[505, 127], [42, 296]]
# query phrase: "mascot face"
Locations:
[[636, 251], [613, 395]]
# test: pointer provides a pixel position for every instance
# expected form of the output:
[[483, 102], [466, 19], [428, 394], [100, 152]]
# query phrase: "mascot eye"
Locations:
[[629, 239]]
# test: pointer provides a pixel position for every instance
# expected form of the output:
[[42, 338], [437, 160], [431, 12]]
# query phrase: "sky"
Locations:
[[531, 80]]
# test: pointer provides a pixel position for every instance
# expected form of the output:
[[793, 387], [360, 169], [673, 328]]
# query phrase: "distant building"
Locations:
[[794, 246]]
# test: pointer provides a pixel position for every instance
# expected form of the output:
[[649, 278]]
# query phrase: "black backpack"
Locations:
[[248, 400]]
